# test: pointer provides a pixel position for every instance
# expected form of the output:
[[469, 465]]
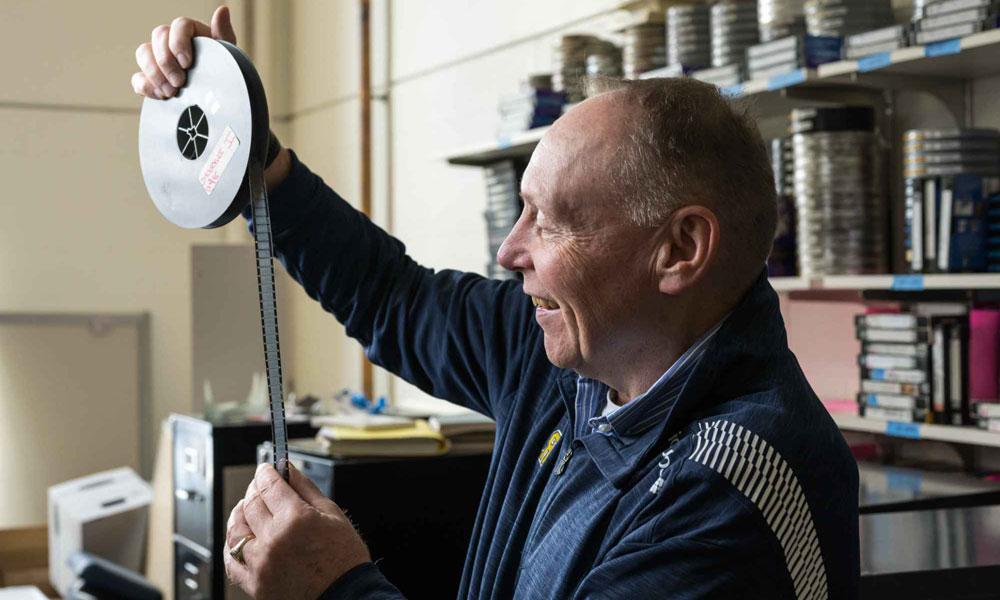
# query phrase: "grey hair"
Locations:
[[686, 144]]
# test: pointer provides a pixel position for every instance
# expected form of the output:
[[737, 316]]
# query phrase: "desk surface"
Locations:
[[930, 540], [888, 489]]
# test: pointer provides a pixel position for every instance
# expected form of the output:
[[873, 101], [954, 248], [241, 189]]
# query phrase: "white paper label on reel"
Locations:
[[217, 161]]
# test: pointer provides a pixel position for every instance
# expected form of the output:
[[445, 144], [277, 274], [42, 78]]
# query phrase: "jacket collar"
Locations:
[[739, 359]]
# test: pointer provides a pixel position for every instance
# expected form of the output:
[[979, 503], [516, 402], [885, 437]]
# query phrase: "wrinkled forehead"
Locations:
[[572, 166]]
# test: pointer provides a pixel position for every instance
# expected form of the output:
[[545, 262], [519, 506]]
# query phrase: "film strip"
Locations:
[[202, 154], [264, 252]]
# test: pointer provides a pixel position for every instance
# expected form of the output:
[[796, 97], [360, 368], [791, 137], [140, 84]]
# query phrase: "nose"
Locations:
[[513, 253]]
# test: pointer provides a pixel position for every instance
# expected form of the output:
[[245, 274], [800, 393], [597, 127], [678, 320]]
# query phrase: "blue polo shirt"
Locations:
[[728, 481]]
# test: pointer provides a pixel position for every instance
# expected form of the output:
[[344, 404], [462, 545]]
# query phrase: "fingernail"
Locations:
[[184, 59], [176, 79], [167, 90]]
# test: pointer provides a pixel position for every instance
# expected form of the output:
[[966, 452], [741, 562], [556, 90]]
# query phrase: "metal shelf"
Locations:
[[971, 57], [918, 431], [896, 283], [519, 145]]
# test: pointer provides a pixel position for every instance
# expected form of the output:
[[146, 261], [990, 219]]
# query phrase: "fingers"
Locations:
[[165, 59], [255, 510], [182, 30], [142, 86], [236, 529], [279, 497], [147, 63], [222, 25], [308, 491], [237, 526]]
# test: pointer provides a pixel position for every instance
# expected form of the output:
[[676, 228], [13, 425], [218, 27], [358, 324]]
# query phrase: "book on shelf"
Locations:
[[984, 346], [948, 223]]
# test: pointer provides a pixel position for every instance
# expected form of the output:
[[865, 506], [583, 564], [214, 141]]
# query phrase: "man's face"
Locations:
[[589, 272]]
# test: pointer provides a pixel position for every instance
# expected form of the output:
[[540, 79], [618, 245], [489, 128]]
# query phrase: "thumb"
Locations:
[[308, 491], [222, 25]]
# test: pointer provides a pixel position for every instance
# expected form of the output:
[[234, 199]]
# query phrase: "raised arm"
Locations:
[[456, 335]]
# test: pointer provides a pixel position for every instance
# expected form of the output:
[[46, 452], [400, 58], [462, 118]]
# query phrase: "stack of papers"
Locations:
[[378, 435], [467, 432]]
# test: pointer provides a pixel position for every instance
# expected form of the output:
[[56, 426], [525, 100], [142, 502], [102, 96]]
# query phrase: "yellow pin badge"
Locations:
[[549, 446]]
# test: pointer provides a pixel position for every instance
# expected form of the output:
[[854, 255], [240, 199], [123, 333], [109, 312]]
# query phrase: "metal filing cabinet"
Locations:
[[213, 464], [415, 514]]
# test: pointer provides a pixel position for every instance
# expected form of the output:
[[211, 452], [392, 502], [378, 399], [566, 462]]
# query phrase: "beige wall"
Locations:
[[79, 233]]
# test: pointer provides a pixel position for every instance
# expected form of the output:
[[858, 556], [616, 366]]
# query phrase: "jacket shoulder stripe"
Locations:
[[753, 467]]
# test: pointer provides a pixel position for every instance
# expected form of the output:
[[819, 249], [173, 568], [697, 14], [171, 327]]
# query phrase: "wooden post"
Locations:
[[365, 100]]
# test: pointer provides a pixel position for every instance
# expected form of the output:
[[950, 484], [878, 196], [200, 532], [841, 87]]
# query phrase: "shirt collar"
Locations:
[[618, 442], [645, 410]]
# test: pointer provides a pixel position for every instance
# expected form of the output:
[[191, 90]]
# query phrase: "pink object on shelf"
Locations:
[[841, 406], [984, 344]]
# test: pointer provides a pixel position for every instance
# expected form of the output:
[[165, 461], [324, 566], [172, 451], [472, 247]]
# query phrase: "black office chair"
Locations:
[[101, 579]]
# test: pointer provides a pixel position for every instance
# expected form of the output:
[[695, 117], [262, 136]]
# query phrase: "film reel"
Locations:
[[202, 155]]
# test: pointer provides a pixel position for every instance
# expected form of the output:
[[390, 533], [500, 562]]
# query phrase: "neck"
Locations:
[[675, 330]]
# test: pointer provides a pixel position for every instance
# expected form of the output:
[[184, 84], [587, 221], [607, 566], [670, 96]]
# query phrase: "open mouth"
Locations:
[[544, 303]]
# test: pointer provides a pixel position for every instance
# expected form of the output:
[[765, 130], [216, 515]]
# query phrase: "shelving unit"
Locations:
[[485, 153], [916, 66], [899, 283], [944, 69], [918, 431]]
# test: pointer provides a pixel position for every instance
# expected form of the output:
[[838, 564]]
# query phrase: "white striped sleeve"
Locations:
[[753, 467]]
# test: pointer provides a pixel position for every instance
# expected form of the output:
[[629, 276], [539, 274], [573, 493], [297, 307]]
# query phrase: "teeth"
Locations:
[[543, 303]]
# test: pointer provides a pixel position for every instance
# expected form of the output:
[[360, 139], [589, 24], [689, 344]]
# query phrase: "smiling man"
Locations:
[[655, 435]]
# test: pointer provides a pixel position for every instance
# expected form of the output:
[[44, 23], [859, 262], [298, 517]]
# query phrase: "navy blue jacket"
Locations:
[[745, 489]]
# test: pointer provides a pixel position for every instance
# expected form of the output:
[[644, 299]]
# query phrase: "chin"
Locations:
[[561, 356]]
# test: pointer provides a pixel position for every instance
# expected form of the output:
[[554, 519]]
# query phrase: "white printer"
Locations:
[[104, 514]]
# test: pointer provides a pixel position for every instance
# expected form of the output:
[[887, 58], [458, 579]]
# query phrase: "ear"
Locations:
[[688, 247]]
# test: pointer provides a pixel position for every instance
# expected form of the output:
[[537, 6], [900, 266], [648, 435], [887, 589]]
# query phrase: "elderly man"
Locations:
[[655, 435]]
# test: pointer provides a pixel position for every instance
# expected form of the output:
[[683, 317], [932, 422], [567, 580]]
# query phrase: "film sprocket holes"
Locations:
[[202, 156]]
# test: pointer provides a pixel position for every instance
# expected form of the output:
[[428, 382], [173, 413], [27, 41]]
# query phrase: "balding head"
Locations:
[[660, 144], [648, 211]]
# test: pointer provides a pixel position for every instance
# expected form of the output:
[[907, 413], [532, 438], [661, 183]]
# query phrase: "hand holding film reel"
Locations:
[[203, 147]]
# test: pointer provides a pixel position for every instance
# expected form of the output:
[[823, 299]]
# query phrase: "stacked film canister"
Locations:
[[688, 36], [934, 21], [884, 39], [952, 177], [780, 18], [845, 17], [734, 28], [604, 59], [789, 53], [569, 66], [841, 209], [783, 258], [503, 206], [644, 48]]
